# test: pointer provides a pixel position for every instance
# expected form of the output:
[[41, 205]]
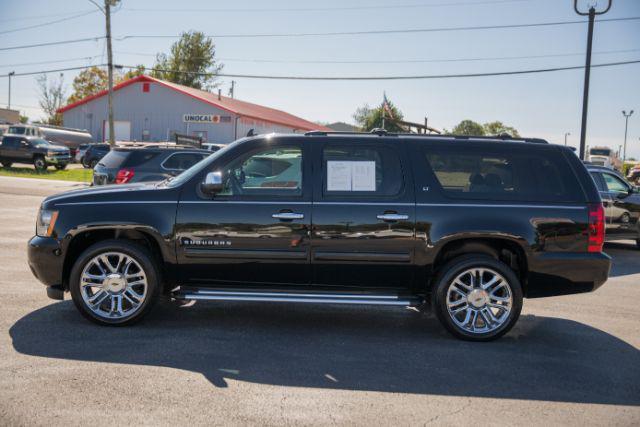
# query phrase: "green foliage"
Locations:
[[79, 175], [468, 127], [88, 82], [24, 119], [471, 128], [368, 118], [140, 70], [191, 62]]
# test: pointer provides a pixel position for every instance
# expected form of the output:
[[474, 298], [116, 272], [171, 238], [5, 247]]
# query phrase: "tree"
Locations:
[[191, 62], [88, 82], [24, 119], [468, 127], [52, 95], [498, 128], [368, 118], [140, 70]]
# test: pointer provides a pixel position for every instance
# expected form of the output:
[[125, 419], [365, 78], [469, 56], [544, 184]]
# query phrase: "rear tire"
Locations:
[[93, 164], [61, 167], [477, 298], [39, 164], [6, 164], [115, 283]]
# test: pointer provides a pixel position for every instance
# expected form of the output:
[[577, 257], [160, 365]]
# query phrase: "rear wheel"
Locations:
[[6, 164], [93, 164], [477, 297], [39, 163], [61, 167], [114, 282]]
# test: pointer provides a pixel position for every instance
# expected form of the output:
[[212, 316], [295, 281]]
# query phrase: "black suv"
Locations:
[[145, 164], [621, 204], [93, 154], [467, 226], [33, 150]]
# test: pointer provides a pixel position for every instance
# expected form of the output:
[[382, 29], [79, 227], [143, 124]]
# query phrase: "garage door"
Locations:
[[122, 130]]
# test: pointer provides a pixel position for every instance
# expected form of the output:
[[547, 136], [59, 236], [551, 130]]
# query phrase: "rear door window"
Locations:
[[182, 161], [114, 159], [615, 184], [353, 170], [487, 173]]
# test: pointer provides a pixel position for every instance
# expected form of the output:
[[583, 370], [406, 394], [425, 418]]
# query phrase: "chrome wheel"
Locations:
[[113, 285], [479, 300]]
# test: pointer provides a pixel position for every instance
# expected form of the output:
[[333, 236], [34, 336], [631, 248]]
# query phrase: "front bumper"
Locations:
[[58, 159], [45, 260], [562, 273]]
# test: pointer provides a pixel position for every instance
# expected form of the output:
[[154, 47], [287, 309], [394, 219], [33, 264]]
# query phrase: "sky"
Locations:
[[545, 105]]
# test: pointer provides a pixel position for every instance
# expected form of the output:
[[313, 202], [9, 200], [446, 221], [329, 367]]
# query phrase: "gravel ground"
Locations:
[[571, 360]]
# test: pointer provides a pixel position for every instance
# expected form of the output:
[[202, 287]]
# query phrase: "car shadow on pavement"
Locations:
[[383, 349]]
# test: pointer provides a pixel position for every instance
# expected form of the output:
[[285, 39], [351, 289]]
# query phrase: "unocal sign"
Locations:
[[200, 118]]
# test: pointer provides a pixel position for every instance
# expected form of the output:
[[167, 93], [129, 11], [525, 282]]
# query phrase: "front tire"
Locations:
[[39, 164], [115, 282], [477, 298], [61, 167], [6, 164]]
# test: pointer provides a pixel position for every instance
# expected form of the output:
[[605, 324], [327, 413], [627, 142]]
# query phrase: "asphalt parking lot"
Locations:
[[570, 360]]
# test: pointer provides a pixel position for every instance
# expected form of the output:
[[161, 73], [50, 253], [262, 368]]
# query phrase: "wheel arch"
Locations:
[[146, 237]]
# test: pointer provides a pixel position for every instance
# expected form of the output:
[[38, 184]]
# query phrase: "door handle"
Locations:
[[393, 217], [287, 216]]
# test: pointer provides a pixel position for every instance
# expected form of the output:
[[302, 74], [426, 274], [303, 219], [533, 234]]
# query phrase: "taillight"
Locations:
[[124, 175], [596, 227]]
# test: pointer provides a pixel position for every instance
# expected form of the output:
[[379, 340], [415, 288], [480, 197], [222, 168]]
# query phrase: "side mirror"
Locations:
[[212, 183]]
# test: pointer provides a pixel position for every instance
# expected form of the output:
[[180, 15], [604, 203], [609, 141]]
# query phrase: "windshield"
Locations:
[[17, 130], [198, 167], [600, 152]]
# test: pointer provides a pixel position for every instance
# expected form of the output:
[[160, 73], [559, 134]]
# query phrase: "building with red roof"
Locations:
[[150, 109]]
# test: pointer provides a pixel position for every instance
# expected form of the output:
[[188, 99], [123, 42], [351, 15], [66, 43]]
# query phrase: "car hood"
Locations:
[[129, 193]]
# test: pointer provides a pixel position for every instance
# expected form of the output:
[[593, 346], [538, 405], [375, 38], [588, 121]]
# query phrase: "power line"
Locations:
[[31, 18], [414, 77], [398, 61], [326, 9], [85, 58], [386, 32], [57, 70], [27, 46], [44, 24]]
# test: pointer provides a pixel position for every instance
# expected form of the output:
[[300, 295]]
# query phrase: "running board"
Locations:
[[209, 294]]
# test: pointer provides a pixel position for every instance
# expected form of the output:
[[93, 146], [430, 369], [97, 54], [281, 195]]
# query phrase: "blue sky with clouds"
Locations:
[[544, 105]]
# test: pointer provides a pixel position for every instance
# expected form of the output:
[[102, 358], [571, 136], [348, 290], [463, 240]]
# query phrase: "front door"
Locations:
[[363, 215], [256, 231], [622, 205]]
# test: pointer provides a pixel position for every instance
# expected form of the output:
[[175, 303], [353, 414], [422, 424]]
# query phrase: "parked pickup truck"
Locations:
[[33, 150], [464, 226]]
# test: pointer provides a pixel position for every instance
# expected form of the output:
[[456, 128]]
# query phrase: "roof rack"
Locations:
[[383, 132]]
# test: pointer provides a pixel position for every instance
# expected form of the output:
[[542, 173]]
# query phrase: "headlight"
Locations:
[[51, 153], [45, 223]]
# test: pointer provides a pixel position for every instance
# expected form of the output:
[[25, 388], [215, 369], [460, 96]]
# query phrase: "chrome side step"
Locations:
[[297, 297]]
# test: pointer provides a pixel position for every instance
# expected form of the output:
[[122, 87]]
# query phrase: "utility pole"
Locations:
[[587, 70], [566, 134], [107, 14], [232, 88], [9, 102], [626, 125]]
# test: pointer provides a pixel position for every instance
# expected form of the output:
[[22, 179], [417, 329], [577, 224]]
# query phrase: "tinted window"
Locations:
[[10, 142], [114, 159], [600, 152], [182, 161], [140, 157], [614, 183], [273, 171], [353, 170], [17, 130], [478, 173]]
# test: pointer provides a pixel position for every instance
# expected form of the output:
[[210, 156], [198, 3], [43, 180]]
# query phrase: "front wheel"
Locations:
[[6, 164], [39, 164], [114, 282], [61, 167], [477, 298]]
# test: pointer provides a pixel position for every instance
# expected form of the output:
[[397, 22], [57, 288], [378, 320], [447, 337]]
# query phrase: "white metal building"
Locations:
[[150, 109]]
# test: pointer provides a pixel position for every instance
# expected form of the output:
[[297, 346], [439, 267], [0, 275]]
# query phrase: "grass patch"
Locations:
[[78, 175]]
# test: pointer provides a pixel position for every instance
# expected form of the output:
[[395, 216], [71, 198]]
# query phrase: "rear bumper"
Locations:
[[557, 273], [46, 260]]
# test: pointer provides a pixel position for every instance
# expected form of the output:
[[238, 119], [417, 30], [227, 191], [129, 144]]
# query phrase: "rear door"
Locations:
[[10, 147], [256, 231], [363, 213]]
